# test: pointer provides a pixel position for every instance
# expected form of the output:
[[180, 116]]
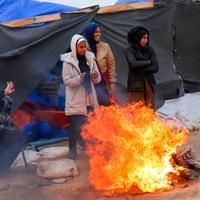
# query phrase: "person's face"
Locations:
[[97, 34], [81, 48], [144, 40]]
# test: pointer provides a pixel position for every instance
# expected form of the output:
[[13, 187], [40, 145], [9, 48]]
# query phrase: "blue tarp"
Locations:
[[19, 9], [38, 130], [130, 1]]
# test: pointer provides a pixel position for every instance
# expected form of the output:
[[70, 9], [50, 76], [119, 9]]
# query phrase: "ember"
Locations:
[[131, 148]]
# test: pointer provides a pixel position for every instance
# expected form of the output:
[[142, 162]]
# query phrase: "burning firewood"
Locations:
[[186, 158]]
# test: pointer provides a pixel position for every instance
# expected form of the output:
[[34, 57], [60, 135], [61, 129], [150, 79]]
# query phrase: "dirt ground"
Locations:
[[25, 185]]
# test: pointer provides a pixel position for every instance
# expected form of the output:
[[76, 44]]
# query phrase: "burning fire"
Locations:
[[131, 147]]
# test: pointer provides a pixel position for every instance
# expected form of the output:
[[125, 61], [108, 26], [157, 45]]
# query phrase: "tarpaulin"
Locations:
[[187, 45], [28, 54], [19, 9]]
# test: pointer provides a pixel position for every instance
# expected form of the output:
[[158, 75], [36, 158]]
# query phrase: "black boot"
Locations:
[[76, 122], [81, 144], [72, 148], [72, 154]]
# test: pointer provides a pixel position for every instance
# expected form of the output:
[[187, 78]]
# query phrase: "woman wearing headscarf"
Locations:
[[104, 56], [142, 64], [80, 73]]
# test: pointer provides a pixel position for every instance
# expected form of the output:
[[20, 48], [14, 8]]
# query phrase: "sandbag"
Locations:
[[33, 156], [55, 169]]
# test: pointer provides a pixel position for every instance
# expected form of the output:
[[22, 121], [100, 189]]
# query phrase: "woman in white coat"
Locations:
[[79, 74]]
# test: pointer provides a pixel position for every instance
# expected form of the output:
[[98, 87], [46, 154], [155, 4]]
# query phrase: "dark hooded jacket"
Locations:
[[142, 61]]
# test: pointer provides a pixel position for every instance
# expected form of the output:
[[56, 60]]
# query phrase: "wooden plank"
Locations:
[[101, 10], [33, 20], [126, 7], [46, 18]]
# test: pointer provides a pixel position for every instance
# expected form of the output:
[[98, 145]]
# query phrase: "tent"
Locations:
[[27, 54]]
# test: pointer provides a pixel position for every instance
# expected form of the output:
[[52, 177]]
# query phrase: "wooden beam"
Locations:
[[46, 18], [33, 20], [101, 10], [126, 7]]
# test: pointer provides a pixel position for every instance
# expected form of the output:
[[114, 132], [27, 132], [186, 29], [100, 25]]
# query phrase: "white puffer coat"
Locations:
[[76, 97]]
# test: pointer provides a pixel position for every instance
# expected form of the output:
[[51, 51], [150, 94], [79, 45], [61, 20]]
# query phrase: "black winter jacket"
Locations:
[[142, 64]]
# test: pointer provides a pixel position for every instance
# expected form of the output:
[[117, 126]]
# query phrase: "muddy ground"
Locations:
[[26, 185]]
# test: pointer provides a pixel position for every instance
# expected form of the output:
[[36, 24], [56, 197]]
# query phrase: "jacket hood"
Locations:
[[74, 41], [135, 35]]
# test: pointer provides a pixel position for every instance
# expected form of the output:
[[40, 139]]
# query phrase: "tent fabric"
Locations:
[[37, 130], [28, 54], [185, 106], [19, 9], [187, 46]]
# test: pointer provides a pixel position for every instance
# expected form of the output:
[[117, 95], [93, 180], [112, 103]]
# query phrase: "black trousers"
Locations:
[[76, 123], [11, 143]]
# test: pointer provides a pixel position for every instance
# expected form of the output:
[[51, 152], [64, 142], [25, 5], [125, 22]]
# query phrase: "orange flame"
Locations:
[[131, 147]]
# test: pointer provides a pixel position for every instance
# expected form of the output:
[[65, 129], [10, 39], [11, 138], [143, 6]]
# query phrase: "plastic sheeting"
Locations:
[[28, 54], [187, 45], [186, 106], [19, 9]]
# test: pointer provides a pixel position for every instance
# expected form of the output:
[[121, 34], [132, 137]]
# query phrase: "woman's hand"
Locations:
[[9, 88], [94, 75], [82, 76]]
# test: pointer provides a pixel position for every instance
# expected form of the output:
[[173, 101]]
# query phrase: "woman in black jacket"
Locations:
[[142, 64]]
